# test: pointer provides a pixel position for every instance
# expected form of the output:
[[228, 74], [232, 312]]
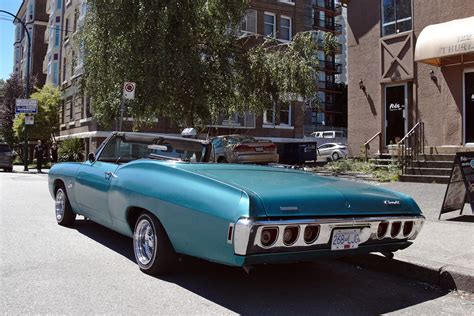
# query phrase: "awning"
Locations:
[[446, 43]]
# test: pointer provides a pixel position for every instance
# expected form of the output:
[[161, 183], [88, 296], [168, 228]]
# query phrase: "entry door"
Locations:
[[395, 113], [469, 106]]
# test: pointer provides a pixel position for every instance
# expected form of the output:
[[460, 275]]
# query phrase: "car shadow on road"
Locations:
[[324, 287], [112, 240]]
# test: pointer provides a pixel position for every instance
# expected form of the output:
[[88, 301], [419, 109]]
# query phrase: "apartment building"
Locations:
[[411, 62], [53, 38], [33, 14], [329, 113]]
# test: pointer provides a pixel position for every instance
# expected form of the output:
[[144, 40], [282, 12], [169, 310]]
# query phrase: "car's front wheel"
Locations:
[[64, 214], [153, 250]]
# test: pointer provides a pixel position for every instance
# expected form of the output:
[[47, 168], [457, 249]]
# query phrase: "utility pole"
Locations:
[[27, 85]]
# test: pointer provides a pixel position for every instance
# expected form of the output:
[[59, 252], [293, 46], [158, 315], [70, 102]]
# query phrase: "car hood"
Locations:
[[285, 192]]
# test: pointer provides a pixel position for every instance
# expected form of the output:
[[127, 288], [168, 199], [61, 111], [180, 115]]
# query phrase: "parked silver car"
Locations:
[[7, 156], [243, 149], [332, 151]]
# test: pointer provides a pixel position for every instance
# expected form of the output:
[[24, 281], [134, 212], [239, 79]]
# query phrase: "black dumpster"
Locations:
[[296, 152]]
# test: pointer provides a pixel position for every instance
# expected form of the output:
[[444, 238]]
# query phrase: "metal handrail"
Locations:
[[412, 145], [367, 145]]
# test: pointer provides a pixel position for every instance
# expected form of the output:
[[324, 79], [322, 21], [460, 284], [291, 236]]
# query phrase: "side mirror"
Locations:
[[91, 157]]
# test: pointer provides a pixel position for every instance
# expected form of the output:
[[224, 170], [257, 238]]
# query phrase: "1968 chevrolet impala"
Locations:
[[160, 191]]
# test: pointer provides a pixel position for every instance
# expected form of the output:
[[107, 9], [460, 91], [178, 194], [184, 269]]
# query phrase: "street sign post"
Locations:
[[27, 106], [128, 94], [129, 90], [29, 120]]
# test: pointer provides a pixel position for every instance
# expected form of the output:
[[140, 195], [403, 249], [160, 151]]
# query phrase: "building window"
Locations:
[[270, 27], [56, 37], [269, 116], [71, 110], [59, 3], [55, 74], [285, 28], [58, 19], [249, 24], [66, 28], [76, 17], [396, 16], [64, 69]]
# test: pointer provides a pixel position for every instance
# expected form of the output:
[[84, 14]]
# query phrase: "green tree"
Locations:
[[47, 120], [187, 61], [13, 89]]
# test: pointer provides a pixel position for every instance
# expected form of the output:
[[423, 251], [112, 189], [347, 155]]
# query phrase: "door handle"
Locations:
[[109, 174]]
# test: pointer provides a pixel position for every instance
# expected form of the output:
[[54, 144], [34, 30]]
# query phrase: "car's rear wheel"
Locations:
[[153, 250], [64, 214], [335, 155]]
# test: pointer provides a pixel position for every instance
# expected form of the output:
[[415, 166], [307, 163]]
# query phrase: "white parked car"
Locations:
[[332, 151], [329, 134]]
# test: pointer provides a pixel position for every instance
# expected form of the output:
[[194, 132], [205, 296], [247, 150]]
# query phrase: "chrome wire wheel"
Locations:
[[144, 242], [60, 204]]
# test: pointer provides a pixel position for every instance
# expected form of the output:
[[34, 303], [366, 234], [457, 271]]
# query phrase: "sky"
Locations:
[[7, 32]]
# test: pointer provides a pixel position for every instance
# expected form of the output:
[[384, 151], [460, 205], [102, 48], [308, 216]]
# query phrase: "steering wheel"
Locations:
[[127, 155]]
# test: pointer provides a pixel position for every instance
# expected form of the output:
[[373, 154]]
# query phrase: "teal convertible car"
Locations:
[[162, 192]]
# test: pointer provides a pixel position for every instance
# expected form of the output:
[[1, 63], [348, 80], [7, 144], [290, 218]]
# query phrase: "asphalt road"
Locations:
[[45, 268]]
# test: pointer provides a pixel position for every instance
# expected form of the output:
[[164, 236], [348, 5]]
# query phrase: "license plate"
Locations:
[[343, 239], [259, 149]]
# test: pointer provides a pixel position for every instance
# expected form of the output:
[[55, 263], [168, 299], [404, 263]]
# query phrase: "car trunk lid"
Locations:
[[285, 192]]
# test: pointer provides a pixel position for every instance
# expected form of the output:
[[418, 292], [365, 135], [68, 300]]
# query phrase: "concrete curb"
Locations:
[[449, 277]]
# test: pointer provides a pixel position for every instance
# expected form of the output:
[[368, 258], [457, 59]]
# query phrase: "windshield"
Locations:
[[122, 149]]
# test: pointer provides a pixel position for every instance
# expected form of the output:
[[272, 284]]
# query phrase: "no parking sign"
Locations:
[[129, 90]]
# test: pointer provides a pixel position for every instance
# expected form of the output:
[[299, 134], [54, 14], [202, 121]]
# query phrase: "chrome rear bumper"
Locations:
[[248, 232]]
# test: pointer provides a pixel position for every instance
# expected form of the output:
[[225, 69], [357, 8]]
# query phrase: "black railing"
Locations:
[[338, 47], [412, 146], [330, 66], [367, 145], [327, 25], [327, 85], [328, 6]]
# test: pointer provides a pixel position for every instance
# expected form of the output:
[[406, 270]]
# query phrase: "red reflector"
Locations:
[[271, 147]]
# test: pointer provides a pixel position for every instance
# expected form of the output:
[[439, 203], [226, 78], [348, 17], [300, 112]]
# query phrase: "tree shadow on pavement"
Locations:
[[323, 287]]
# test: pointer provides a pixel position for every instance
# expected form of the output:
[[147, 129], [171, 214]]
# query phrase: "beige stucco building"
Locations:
[[410, 62]]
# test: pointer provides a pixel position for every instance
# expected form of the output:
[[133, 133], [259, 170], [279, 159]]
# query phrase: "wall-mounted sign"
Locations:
[[395, 107]]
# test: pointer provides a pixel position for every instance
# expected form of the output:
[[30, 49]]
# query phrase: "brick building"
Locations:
[[411, 62], [33, 14]]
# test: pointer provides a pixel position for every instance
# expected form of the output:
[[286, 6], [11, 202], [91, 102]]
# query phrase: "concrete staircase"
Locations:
[[435, 168]]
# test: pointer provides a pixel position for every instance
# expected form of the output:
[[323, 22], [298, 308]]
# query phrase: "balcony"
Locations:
[[329, 86], [330, 66], [338, 48], [327, 26], [328, 7]]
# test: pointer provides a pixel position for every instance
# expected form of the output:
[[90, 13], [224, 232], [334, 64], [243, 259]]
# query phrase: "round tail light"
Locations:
[[311, 233], [268, 236], [290, 234], [396, 226], [382, 230], [407, 228]]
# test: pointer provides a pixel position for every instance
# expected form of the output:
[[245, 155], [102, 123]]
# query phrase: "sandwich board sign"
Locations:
[[129, 90], [27, 106], [460, 188]]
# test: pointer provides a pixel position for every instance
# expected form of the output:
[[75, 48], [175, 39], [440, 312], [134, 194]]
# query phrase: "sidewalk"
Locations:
[[443, 253], [20, 169]]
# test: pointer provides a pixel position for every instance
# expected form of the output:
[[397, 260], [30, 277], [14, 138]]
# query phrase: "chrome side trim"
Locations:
[[368, 226]]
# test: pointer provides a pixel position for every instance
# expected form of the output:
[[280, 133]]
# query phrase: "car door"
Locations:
[[93, 183]]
